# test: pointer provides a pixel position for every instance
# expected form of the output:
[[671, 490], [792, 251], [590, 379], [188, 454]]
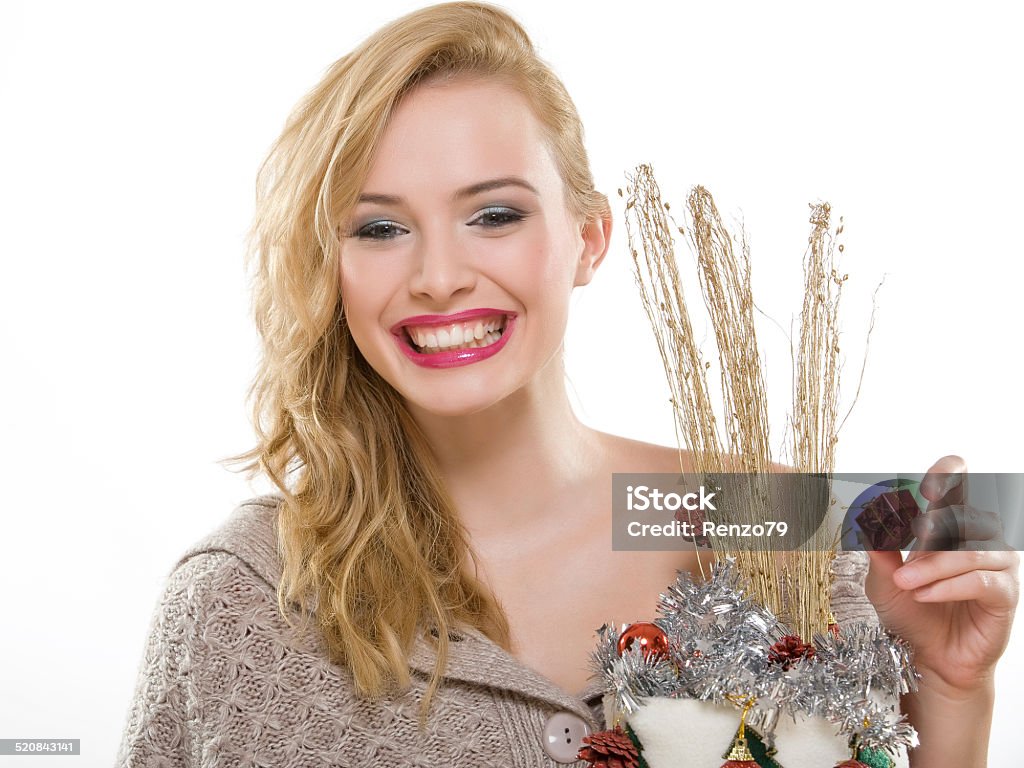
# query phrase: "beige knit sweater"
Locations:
[[225, 683]]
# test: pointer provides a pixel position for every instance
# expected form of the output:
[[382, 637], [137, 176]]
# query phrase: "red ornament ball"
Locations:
[[852, 764], [651, 637]]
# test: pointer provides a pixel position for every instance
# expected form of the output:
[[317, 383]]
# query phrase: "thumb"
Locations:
[[879, 585]]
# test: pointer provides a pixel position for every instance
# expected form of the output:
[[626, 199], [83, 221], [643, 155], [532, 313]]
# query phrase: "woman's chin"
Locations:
[[452, 404]]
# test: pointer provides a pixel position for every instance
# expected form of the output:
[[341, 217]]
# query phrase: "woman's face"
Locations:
[[460, 258]]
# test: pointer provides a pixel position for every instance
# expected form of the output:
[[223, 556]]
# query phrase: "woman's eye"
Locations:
[[379, 230], [497, 217]]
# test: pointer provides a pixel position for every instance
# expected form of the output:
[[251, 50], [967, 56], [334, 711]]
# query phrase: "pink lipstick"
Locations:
[[446, 341]]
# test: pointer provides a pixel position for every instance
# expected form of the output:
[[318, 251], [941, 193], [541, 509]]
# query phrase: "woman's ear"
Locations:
[[595, 237]]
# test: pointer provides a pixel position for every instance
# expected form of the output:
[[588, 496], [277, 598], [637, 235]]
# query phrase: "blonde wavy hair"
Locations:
[[371, 541]]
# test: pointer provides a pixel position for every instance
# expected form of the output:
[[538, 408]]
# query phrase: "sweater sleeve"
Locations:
[[849, 601], [160, 727]]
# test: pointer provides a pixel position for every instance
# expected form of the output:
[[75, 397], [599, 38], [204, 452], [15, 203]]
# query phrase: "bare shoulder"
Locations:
[[628, 455]]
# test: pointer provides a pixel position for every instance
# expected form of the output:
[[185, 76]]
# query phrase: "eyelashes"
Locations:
[[490, 218], [497, 217], [379, 230]]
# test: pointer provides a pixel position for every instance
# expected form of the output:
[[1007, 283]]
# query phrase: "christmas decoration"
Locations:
[[851, 764], [787, 650], [833, 625], [882, 514], [739, 756], [885, 520], [610, 749], [870, 758], [762, 751], [649, 637], [735, 637], [874, 758]]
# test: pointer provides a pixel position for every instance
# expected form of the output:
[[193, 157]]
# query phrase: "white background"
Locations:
[[130, 136]]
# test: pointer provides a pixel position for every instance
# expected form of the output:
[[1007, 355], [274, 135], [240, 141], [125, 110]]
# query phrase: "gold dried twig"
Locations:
[[794, 585]]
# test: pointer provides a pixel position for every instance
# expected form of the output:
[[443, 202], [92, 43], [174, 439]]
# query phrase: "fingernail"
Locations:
[[951, 481]]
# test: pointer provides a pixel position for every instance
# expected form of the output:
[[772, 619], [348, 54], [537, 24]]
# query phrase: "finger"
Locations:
[[995, 590], [944, 565], [946, 482], [879, 585], [954, 526]]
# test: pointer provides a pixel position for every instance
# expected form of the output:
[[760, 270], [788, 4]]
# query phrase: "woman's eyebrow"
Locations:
[[487, 186], [461, 194]]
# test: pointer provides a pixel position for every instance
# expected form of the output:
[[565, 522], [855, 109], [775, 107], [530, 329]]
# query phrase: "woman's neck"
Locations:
[[505, 466]]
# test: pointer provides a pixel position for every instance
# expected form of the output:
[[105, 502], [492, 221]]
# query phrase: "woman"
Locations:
[[421, 225]]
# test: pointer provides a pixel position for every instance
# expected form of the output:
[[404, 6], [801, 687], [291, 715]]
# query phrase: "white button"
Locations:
[[563, 736]]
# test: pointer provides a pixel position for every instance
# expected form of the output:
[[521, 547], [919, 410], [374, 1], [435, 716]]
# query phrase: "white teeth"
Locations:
[[457, 336], [434, 345]]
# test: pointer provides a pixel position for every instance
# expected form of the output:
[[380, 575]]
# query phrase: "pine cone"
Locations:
[[610, 749], [788, 650]]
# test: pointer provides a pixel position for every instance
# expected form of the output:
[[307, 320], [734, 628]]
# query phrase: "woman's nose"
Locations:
[[443, 268]]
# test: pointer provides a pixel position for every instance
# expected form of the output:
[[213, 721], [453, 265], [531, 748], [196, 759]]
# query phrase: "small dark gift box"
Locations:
[[885, 520]]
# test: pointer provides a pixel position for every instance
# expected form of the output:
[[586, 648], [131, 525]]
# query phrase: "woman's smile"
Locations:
[[436, 341]]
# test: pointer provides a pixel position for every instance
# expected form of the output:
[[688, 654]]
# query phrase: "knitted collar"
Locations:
[[250, 533]]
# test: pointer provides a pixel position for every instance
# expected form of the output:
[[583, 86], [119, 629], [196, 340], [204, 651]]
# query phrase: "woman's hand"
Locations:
[[954, 607], [953, 601]]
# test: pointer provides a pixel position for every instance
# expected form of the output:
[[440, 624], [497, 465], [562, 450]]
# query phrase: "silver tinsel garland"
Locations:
[[719, 643]]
